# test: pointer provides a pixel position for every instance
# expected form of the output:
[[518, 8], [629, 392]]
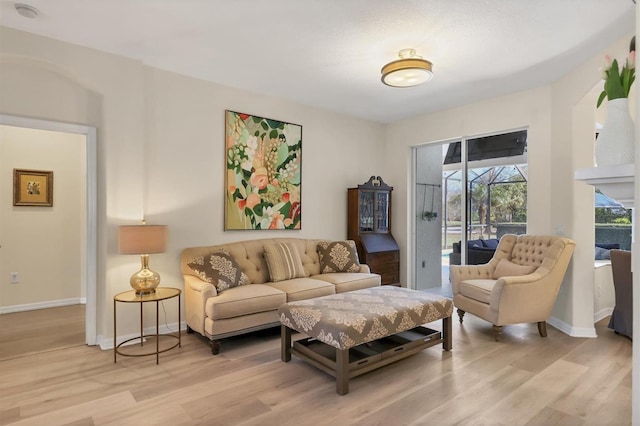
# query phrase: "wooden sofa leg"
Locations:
[[460, 315], [215, 347], [542, 328], [497, 331]]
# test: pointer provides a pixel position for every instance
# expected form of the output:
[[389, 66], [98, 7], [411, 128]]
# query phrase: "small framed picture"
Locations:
[[32, 188]]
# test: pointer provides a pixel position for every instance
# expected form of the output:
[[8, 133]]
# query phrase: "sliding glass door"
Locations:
[[468, 193]]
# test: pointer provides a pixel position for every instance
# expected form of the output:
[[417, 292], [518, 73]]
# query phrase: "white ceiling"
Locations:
[[328, 53]]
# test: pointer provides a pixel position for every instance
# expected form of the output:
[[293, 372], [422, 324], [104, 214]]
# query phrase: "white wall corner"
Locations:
[[602, 313], [572, 331]]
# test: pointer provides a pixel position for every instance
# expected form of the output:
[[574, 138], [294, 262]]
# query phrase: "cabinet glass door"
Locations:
[[366, 211], [382, 212]]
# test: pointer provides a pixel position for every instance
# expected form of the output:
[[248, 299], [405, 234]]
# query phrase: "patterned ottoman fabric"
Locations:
[[350, 319]]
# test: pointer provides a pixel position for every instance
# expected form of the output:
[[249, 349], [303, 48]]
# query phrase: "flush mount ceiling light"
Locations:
[[409, 70], [26, 10]]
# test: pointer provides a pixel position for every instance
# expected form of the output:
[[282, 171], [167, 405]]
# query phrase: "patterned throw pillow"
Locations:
[[283, 261], [338, 256], [219, 269]]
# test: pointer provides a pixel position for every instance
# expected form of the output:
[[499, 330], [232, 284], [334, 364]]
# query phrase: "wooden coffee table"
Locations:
[[356, 332]]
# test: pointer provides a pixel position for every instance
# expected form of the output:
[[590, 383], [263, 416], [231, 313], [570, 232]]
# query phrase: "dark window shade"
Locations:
[[496, 146]]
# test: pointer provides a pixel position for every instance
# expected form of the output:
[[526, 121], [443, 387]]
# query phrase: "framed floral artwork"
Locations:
[[263, 173], [32, 188]]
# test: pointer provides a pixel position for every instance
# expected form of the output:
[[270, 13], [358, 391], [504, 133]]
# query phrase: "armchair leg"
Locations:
[[542, 328], [460, 314], [497, 331]]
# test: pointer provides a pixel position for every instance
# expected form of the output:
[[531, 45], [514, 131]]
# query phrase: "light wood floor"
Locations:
[[523, 380], [42, 330]]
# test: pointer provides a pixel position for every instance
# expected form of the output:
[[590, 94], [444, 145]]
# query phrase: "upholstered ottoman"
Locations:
[[355, 332]]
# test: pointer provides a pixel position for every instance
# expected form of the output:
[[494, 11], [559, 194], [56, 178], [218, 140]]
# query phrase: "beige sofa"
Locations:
[[253, 307], [518, 285]]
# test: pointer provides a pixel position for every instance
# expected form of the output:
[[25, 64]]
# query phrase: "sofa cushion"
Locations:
[[609, 246], [349, 281], [219, 269], [491, 243], [248, 299], [479, 290], [338, 256], [474, 244], [602, 253], [505, 268], [304, 288], [283, 261]]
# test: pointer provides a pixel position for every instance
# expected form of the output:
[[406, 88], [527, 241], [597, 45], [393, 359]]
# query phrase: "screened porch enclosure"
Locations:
[[496, 201]]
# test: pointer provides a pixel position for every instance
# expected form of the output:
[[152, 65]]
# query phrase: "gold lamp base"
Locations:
[[145, 280]]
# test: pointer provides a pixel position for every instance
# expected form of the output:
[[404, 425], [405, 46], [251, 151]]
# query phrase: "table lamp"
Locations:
[[143, 240]]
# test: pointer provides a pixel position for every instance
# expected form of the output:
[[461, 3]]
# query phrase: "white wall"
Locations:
[[42, 244], [560, 139], [573, 114], [605, 296], [161, 141]]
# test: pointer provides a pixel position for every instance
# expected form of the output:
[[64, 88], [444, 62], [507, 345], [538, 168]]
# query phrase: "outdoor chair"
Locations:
[[622, 317]]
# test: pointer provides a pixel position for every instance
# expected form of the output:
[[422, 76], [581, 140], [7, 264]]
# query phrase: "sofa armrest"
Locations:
[[459, 273], [196, 294], [364, 269], [529, 296]]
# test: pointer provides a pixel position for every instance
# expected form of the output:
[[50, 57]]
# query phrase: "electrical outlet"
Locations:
[[15, 278]]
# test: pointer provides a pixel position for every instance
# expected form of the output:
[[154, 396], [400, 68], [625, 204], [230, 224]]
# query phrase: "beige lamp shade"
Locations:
[[142, 239]]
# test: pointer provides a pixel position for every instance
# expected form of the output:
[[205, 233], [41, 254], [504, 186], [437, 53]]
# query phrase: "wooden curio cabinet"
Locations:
[[369, 225]]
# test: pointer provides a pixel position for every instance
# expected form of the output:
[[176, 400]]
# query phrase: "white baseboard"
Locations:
[[43, 305], [107, 343], [573, 331], [602, 313]]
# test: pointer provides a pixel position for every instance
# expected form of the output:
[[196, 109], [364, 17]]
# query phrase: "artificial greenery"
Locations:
[[617, 83]]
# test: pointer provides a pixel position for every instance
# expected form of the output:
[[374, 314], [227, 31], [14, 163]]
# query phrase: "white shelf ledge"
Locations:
[[614, 181]]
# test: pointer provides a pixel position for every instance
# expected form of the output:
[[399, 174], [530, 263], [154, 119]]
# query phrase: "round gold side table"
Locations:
[[161, 293]]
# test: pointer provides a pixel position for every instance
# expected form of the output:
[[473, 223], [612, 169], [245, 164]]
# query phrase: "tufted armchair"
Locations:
[[518, 285]]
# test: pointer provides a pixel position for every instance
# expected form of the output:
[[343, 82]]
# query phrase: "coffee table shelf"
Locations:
[[368, 356]]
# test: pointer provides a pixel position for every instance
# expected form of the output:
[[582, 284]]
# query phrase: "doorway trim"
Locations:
[[89, 237], [412, 201]]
